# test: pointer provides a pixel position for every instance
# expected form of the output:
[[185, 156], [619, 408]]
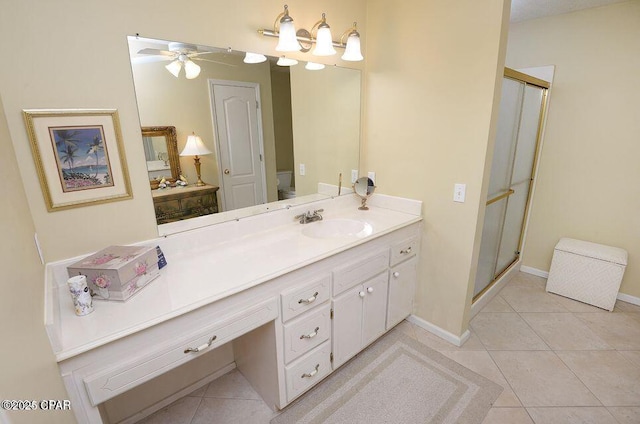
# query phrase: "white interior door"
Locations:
[[238, 127]]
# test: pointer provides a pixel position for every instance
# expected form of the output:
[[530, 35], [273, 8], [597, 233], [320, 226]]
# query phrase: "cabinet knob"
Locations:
[[396, 274], [370, 289], [361, 294]]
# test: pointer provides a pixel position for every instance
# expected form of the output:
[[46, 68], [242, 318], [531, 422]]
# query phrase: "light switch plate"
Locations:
[[459, 192], [303, 169], [354, 176]]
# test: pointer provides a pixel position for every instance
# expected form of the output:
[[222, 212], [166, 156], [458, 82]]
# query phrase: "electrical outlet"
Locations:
[[372, 176], [459, 192], [354, 176], [303, 169]]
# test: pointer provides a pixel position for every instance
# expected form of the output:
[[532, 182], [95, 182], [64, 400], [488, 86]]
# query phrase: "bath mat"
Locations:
[[396, 380]]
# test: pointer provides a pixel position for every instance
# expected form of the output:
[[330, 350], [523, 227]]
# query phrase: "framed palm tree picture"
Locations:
[[79, 156]]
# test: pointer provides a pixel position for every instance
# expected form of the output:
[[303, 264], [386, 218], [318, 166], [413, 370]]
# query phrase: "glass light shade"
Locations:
[[312, 66], [195, 147], [285, 61], [324, 42], [352, 51], [191, 70], [254, 58], [174, 67], [287, 40]]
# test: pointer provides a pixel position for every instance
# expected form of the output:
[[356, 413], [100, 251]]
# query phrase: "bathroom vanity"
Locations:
[[296, 301]]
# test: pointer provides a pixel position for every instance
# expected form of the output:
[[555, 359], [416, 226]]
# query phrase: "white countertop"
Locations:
[[211, 263]]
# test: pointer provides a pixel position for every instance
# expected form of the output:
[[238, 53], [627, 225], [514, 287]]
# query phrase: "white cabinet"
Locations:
[[402, 286], [359, 316]]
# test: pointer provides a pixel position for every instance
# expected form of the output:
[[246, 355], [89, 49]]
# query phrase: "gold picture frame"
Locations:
[[79, 156]]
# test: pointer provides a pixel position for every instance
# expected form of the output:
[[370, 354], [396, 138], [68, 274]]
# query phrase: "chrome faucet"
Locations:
[[309, 217]]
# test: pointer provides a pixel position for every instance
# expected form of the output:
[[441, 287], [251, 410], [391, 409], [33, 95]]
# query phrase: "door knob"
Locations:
[[226, 171]]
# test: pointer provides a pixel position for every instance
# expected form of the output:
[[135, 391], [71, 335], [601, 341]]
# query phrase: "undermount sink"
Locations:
[[339, 227]]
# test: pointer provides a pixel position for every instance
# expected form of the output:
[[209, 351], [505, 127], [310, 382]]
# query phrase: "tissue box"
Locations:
[[118, 272]]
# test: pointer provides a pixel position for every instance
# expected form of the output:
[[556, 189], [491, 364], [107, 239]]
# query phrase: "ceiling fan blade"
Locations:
[[214, 61], [157, 52], [196, 54]]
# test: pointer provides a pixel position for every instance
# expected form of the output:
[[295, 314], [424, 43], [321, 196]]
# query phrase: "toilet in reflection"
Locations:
[[285, 190]]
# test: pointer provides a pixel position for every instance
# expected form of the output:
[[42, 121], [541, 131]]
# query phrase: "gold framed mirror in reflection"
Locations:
[[306, 123], [161, 153]]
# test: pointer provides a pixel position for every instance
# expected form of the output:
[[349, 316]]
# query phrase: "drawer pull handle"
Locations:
[[310, 300], [310, 335], [201, 348], [312, 373], [406, 251], [396, 274]]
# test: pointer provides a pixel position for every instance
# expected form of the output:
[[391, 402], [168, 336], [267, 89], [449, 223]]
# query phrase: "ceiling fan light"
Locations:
[[174, 68], [191, 69], [285, 61], [352, 51], [254, 58], [313, 66]]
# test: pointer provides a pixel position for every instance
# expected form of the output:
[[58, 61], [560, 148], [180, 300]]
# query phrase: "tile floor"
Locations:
[[559, 361]]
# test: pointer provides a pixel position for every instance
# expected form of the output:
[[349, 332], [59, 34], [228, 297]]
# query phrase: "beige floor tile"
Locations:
[[610, 376], [527, 299], [439, 344], [632, 355], [542, 379], [179, 412], [575, 415], [563, 331], [407, 328], [497, 304], [507, 416], [522, 279], [625, 415], [225, 411], [482, 363], [199, 392], [619, 330], [232, 385], [575, 305], [626, 307], [505, 331]]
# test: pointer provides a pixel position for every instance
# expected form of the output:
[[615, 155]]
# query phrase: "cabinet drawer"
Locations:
[[359, 271], [305, 297], [306, 332], [404, 250], [308, 371], [167, 355]]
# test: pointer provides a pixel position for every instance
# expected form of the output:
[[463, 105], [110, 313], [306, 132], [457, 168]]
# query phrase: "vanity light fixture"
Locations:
[[313, 66], [254, 58], [290, 40], [191, 69], [195, 147], [285, 61]]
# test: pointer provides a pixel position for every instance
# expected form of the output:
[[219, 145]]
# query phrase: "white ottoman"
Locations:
[[588, 272]]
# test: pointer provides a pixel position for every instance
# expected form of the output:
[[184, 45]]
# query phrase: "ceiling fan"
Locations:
[[182, 55]]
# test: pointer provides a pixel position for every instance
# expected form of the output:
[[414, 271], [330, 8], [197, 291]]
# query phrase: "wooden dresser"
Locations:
[[174, 204]]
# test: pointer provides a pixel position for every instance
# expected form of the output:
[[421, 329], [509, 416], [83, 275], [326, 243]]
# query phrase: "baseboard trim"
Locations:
[[182, 393], [534, 271], [434, 329], [544, 274]]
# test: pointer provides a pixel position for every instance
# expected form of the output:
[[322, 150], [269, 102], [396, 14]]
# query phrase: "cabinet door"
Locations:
[[402, 284], [374, 309], [347, 325]]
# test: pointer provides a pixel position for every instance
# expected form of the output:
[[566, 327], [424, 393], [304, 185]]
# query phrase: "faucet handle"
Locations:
[[301, 216], [318, 211]]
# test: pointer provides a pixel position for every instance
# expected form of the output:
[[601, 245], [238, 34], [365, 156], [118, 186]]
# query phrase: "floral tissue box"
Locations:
[[118, 272]]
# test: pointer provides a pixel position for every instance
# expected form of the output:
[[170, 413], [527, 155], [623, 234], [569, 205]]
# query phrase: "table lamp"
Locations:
[[195, 147]]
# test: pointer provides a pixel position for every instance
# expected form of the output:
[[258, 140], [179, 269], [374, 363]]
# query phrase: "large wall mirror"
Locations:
[[274, 132]]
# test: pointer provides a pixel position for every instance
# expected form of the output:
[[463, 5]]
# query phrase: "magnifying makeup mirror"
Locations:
[[364, 188]]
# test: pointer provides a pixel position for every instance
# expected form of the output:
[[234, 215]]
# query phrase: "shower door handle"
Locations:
[[502, 196]]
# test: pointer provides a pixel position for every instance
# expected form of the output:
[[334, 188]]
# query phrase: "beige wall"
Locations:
[[433, 72], [281, 95], [184, 104], [325, 125], [29, 369], [588, 176]]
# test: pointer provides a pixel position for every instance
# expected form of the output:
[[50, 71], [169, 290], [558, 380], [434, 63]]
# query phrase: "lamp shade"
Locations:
[[195, 147], [287, 40], [312, 66], [285, 61], [324, 42], [254, 58], [191, 70], [174, 67], [352, 51]]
